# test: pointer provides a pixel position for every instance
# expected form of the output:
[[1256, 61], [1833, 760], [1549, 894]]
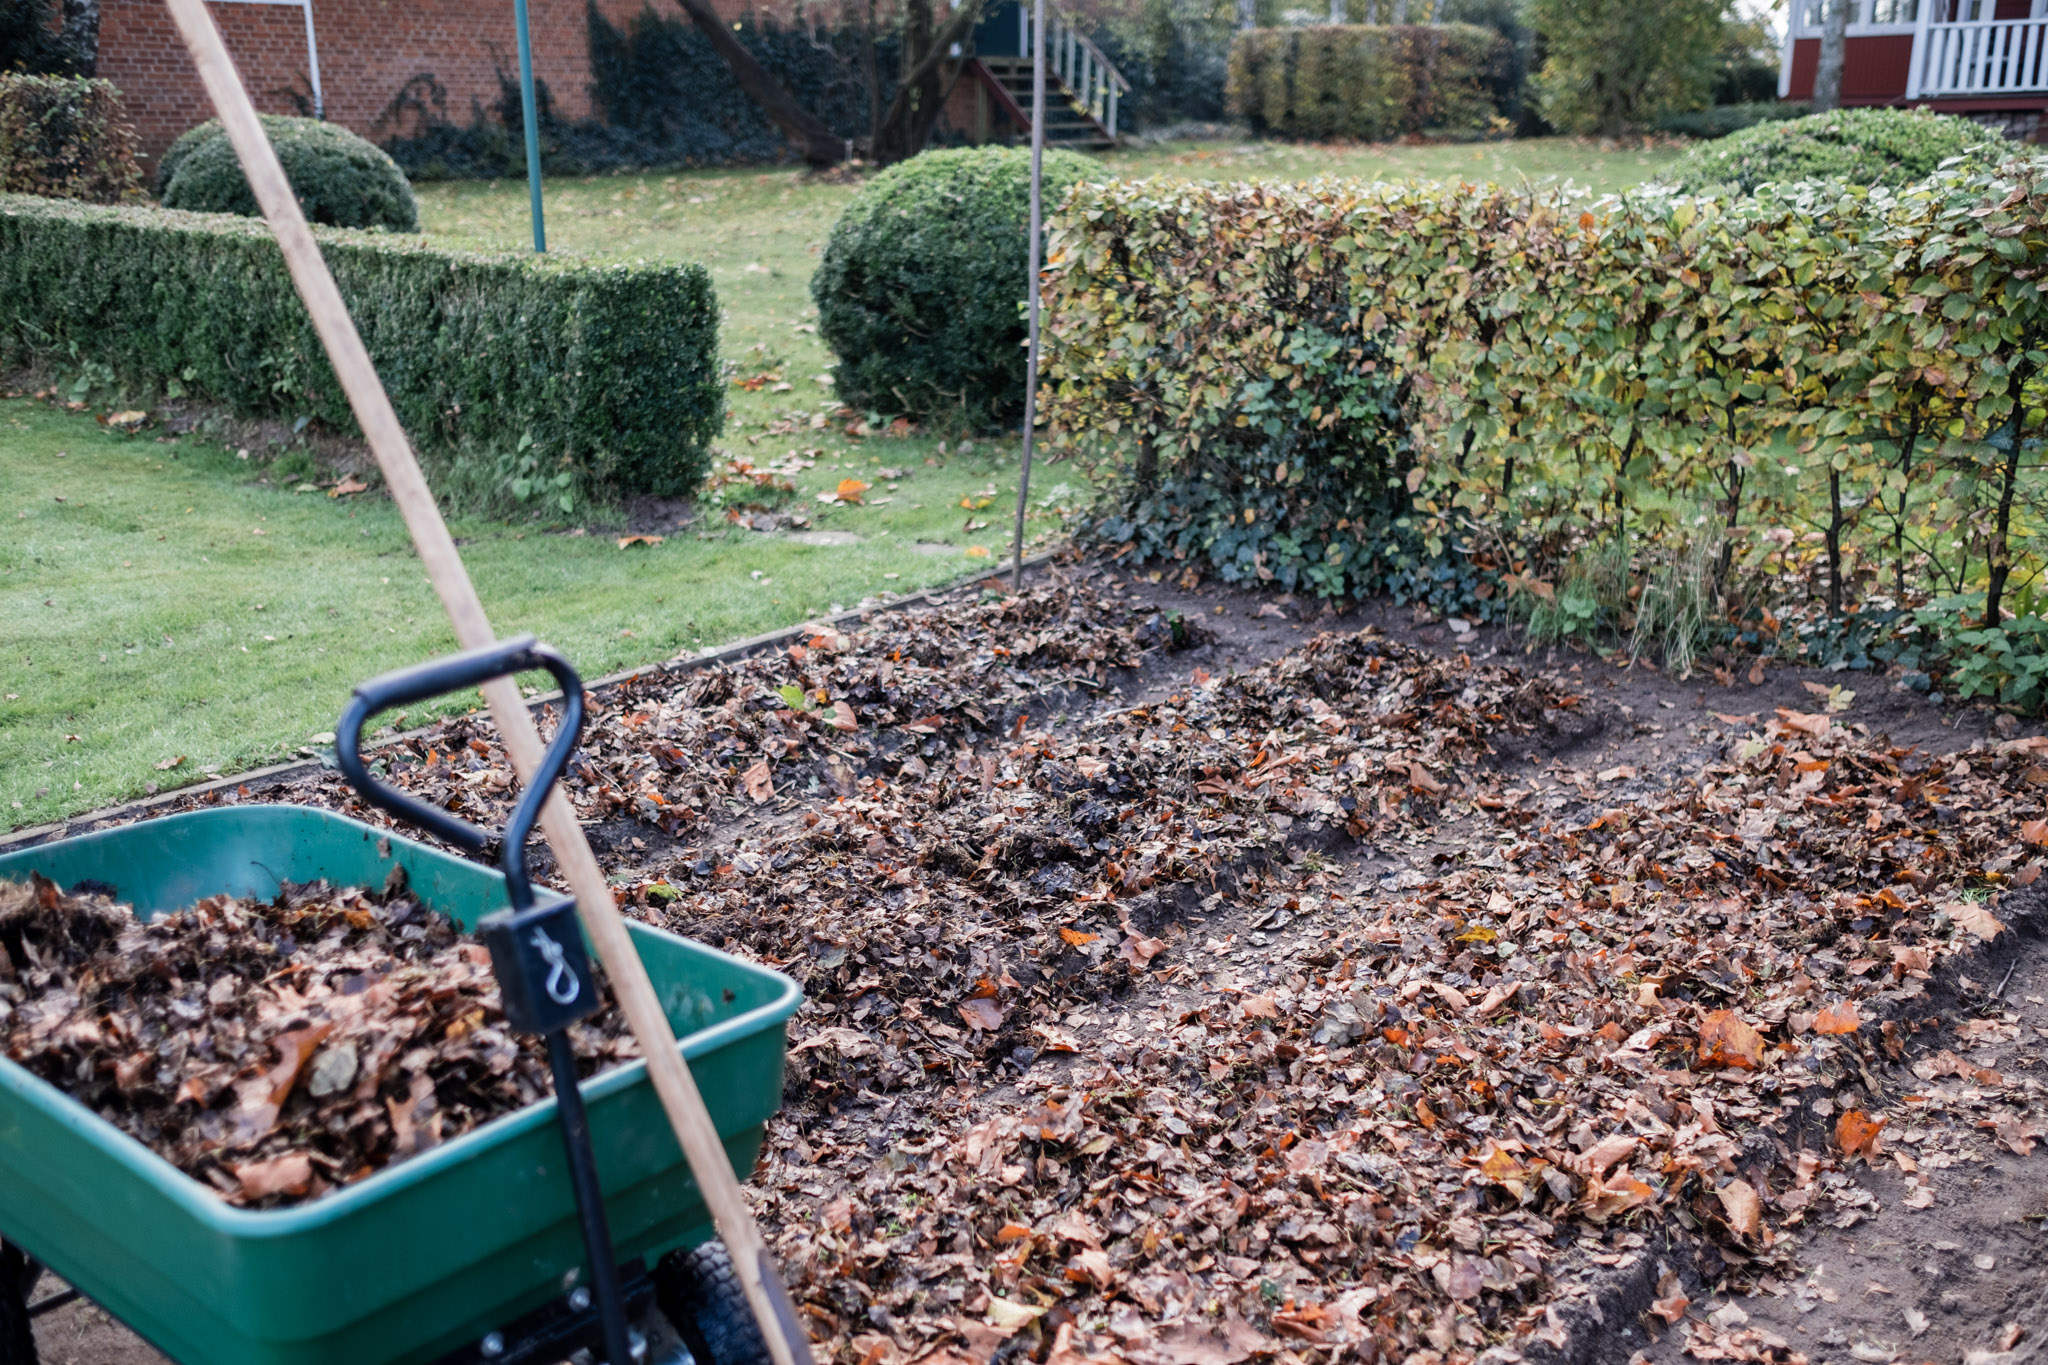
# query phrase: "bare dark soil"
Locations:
[[1534, 1051]]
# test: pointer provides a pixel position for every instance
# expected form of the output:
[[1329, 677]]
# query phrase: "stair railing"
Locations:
[[1091, 79]]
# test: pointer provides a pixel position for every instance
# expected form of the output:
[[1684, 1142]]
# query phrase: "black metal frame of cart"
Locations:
[[543, 971]]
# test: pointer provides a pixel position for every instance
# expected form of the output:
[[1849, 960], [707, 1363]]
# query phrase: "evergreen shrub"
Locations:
[[340, 179], [1860, 146], [520, 377], [922, 285]]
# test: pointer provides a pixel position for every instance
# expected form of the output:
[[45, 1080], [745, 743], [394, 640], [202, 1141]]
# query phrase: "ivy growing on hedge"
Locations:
[[516, 375], [1335, 384]]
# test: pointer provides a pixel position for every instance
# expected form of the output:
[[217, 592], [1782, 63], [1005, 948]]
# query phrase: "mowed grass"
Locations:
[[178, 606]]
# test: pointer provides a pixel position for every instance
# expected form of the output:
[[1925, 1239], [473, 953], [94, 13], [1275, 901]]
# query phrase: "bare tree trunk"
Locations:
[[922, 84], [814, 138], [1998, 555], [871, 72], [1836, 523], [1247, 13], [1337, 14], [1834, 39]]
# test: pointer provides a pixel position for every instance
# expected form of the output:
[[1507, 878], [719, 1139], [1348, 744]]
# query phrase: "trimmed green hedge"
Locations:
[[340, 180], [922, 285], [517, 376], [1375, 82], [1860, 146]]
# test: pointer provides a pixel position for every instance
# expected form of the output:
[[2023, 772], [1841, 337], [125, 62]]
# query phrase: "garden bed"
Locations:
[[1187, 979]]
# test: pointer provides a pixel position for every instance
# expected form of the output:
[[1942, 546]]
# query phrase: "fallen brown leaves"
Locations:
[[274, 1050], [1191, 1030]]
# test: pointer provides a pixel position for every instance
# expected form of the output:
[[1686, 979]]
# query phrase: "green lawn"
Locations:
[[168, 602]]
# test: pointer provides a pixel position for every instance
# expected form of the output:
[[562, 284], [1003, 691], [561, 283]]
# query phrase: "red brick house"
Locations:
[[1984, 59], [352, 56]]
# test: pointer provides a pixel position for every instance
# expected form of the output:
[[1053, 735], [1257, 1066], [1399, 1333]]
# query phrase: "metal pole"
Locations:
[[540, 231], [597, 1238], [1037, 229], [313, 63]]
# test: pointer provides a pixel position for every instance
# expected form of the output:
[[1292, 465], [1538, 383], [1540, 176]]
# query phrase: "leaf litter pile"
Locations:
[[272, 1049], [1281, 1015]]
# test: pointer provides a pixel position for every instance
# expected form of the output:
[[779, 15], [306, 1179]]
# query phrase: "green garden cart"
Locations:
[[474, 1253]]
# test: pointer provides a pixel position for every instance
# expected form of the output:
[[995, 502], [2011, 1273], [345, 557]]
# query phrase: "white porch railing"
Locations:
[[1089, 77], [1988, 57]]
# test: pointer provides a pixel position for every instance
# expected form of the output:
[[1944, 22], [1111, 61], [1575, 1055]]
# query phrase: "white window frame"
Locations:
[[1858, 22], [313, 45]]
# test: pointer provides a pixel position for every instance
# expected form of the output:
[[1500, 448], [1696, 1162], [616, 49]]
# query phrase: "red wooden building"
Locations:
[[1984, 59]]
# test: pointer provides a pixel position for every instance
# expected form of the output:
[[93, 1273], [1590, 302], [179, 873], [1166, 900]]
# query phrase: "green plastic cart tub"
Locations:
[[415, 1261]]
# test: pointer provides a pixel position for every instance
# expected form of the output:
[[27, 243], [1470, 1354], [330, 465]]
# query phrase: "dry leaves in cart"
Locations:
[[273, 1049]]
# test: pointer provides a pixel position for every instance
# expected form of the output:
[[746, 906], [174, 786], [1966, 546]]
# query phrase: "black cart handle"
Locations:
[[438, 677]]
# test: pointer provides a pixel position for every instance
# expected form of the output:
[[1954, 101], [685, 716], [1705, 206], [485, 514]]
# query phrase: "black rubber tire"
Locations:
[[699, 1293], [18, 1276]]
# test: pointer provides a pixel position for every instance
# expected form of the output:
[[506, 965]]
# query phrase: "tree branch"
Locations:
[[814, 139]]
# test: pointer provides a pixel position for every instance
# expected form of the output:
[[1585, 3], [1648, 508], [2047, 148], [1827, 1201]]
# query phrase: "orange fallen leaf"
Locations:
[[1139, 950], [1839, 1018], [350, 484], [1260, 1007], [1419, 778], [981, 1013], [758, 780], [1607, 1151], [1744, 1211], [288, 1174], [842, 716], [850, 489], [1856, 1133], [1725, 1040], [626, 542], [1975, 918], [1012, 1232], [1075, 938], [2035, 832]]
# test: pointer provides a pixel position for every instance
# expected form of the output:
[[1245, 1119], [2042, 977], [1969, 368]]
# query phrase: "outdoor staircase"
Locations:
[[1082, 87]]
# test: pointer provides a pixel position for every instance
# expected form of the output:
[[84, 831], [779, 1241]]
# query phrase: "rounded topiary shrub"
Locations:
[[340, 179], [920, 293], [1860, 146]]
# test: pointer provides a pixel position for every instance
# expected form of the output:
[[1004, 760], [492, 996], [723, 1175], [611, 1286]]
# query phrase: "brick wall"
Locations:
[[369, 49]]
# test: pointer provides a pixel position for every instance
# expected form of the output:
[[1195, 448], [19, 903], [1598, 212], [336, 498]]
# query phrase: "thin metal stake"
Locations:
[[540, 231], [1037, 230], [597, 1238]]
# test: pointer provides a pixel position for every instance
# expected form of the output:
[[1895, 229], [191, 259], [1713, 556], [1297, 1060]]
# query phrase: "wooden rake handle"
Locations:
[[787, 1342]]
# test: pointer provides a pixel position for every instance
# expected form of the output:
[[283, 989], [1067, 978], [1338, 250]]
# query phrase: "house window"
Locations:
[[1894, 11], [1817, 11]]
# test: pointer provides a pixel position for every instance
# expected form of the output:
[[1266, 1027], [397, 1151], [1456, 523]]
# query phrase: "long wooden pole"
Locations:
[[387, 440], [1033, 265]]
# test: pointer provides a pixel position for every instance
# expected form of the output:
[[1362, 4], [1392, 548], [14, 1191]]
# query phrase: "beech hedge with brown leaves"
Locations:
[[1331, 384]]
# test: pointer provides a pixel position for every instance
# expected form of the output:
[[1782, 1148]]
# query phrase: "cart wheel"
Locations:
[[699, 1292], [18, 1275]]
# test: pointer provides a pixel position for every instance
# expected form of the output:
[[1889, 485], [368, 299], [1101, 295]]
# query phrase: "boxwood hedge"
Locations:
[[518, 375], [1860, 146], [921, 288], [340, 179]]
